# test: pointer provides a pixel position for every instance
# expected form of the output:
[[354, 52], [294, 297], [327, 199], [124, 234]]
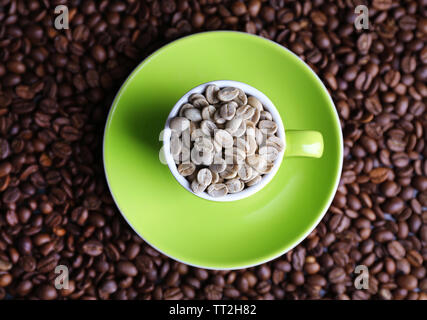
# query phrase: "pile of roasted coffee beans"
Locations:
[[56, 87]]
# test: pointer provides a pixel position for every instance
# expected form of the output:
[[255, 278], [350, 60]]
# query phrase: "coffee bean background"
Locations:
[[56, 87]]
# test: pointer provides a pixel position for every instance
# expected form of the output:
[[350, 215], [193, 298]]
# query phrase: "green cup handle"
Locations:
[[303, 144]]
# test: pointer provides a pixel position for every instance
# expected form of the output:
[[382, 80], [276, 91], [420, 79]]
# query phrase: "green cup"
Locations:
[[231, 234]]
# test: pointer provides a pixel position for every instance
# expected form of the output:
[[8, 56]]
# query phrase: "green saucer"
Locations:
[[220, 235]]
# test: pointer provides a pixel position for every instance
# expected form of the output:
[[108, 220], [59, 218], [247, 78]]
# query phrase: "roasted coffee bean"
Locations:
[[384, 236], [5, 280], [297, 278], [408, 282], [393, 205], [28, 263], [4, 148], [396, 250], [254, 7], [61, 149], [238, 8], [11, 195], [390, 188], [420, 183], [16, 67], [98, 53], [69, 133], [93, 248], [108, 286], [5, 168], [382, 4], [47, 292], [379, 175], [127, 268], [24, 288]]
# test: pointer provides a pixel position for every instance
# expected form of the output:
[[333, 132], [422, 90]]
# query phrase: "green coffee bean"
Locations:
[[179, 124], [217, 190], [212, 94], [186, 169], [228, 94], [204, 177]]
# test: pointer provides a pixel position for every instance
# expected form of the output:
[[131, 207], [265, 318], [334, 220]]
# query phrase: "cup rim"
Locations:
[[250, 91]]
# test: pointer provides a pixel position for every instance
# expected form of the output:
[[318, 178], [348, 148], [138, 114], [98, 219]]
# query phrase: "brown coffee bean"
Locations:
[[322, 40], [354, 203], [331, 80], [364, 43], [188, 291], [198, 20], [16, 67], [213, 292], [267, 14], [337, 275], [382, 4], [384, 236], [93, 248], [363, 81], [99, 54], [168, 6], [420, 183], [238, 8], [297, 278], [298, 258], [231, 293], [201, 274], [311, 268], [4, 148], [319, 18], [396, 250], [11, 195], [250, 27], [390, 188], [47, 292], [28, 263], [127, 268], [47, 264], [5, 280], [369, 144], [109, 286], [5, 168], [70, 133], [254, 7], [144, 263], [409, 64], [242, 284], [5, 265], [11, 80], [408, 282], [373, 105], [264, 272], [316, 280], [393, 205], [379, 175], [415, 258], [400, 159], [24, 288]]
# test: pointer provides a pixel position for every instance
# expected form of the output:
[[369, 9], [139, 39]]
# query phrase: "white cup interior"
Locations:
[[250, 91]]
